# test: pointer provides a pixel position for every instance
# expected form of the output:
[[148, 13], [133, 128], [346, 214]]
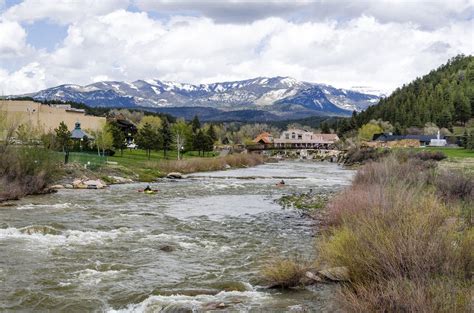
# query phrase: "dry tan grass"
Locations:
[[406, 249], [208, 164], [285, 272]]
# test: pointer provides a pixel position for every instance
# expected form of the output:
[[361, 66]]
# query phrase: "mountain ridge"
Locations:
[[280, 96]]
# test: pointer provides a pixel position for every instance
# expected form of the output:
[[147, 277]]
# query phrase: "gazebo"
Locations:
[[80, 138], [78, 133]]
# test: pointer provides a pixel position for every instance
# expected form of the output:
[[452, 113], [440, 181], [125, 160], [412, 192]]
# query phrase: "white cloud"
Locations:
[[12, 39], [123, 45], [61, 11], [30, 77], [431, 14]]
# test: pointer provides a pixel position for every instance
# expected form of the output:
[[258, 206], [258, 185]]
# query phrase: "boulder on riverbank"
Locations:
[[119, 180], [88, 184], [174, 175], [340, 273], [57, 187]]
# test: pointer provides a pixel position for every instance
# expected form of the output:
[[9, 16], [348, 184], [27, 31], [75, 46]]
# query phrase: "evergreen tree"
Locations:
[[444, 96], [146, 138], [119, 139], [199, 141], [325, 128], [196, 125], [445, 119], [63, 138], [208, 144], [166, 137], [462, 108], [211, 133]]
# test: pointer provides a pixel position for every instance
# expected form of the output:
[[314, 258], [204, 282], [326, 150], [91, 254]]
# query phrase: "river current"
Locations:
[[196, 245]]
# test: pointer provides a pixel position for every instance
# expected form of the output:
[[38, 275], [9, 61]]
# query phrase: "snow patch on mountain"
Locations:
[[278, 95]]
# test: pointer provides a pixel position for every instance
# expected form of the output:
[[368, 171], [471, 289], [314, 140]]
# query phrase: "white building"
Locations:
[[297, 138]]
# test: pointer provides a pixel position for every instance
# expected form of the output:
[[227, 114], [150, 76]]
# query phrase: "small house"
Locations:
[[424, 140], [264, 139]]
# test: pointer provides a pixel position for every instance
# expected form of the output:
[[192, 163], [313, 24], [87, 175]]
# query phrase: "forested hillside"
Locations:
[[445, 97]]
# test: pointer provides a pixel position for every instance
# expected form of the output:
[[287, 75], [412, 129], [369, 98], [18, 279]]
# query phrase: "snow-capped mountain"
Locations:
[[279, 95]]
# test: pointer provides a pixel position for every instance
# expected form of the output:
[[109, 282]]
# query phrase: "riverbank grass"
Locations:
[[285, 272], [135, 164], [26, 170], [404, 238]]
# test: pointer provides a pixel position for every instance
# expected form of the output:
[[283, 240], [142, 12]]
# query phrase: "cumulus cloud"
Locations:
[[125, 45], [61, 11], [381, 44], [429, 14], [30, 77], [12, 39]]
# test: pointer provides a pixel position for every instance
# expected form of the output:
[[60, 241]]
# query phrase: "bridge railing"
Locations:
[[271, 146]]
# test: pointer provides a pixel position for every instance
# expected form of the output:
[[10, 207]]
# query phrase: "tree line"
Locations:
[[444, 97]]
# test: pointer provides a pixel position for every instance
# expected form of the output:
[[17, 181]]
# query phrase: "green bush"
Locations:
[[26, 170]]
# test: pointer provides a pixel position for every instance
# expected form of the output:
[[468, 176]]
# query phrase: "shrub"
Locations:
[[455, 185], [429, 155], [395, 169], [405, 248], [285, 273], [26, 170], [384, 242], [405, 295], [357, 155]]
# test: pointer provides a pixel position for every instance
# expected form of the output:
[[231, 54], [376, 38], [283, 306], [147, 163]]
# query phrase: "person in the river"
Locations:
[[281, 183], [148, 188]]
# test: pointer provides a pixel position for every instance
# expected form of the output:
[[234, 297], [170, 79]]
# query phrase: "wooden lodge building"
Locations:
[[297, 139]]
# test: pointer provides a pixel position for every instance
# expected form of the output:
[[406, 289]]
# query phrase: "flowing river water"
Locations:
[[197, 245]]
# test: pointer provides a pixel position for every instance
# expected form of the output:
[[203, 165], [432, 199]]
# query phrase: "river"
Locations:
[[186, 247]]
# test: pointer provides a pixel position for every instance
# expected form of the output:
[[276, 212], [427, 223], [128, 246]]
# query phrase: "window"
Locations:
[[287, 136], [300, 136], [293, 135]]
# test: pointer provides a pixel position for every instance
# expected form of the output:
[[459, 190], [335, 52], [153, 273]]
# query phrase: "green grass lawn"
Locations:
[[452, 152], [132, 157]]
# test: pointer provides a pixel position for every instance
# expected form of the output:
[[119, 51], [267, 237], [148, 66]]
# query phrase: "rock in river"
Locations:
[[175, 175], [335, 273], [56, 187], [88, 184]]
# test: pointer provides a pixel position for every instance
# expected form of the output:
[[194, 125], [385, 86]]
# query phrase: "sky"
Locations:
[[380, 44]]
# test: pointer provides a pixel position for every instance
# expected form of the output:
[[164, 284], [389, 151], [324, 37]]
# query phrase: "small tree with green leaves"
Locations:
[[367, 131], [104, 139]]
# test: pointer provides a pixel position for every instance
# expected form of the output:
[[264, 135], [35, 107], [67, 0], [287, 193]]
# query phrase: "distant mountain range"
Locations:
[[262, 98]]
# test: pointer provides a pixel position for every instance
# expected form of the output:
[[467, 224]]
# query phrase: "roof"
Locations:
[[265, 137], [329, 137], [424, 138]]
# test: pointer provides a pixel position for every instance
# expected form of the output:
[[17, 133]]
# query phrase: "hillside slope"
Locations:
[[445, 97]]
